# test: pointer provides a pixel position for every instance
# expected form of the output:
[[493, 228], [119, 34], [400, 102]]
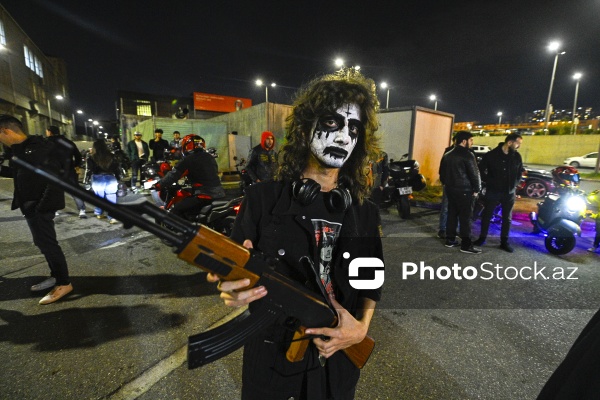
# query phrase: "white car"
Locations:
[[588, 160], [480, 150]]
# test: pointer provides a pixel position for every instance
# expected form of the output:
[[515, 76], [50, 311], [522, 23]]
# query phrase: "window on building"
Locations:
[[32, 62], [2, 34], [144, 108]]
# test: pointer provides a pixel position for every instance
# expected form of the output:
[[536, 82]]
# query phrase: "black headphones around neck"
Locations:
[[305, 191]]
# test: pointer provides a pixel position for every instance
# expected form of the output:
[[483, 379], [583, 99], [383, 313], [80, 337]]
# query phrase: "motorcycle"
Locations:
[[245, 179], [404, 179], [218, 215], [559, 218]]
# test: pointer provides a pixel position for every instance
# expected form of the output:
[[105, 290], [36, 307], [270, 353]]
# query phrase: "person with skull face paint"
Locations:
[[329, 139]]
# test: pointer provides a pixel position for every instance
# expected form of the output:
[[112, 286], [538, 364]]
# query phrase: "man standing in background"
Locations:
[[158, 145], [138, 152], [70, 158], [262, 160]]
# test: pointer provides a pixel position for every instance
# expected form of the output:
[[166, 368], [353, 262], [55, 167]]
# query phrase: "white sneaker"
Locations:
[[82, 214], [45, 284], [113, 221]]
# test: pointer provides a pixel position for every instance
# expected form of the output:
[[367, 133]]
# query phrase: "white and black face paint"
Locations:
[[336, 135]]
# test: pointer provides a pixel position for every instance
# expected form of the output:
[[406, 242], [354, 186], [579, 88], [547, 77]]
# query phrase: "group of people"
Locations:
[[500, 170], [310, 211]]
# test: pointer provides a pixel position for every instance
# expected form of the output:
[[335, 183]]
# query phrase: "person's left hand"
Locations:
[[349, 331]]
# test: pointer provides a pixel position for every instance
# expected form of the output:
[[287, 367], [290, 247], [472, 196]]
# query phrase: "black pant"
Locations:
[[136, 165], [189, 205], [460, 208], [41, 226], [507, 202]]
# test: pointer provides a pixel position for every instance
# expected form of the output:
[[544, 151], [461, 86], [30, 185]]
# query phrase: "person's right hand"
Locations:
[[231, 292]]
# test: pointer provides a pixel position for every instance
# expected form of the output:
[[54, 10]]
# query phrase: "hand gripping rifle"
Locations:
[[287, 302]]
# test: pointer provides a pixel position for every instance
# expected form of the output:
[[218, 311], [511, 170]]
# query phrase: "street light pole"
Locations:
[[554, 46], [499, 118], [434, 98], [577, 77], [387, 101]]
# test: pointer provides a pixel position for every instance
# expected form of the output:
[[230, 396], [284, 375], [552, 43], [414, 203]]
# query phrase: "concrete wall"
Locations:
[[548, 150], [255, 120]]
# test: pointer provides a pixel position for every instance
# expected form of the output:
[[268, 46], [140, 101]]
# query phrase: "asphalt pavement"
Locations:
[[122, 334]]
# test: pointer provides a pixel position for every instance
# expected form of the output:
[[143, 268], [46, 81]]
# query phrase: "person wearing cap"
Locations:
[[71, 158], [262, 160], [138, 152], [38, 200], [460, 176]]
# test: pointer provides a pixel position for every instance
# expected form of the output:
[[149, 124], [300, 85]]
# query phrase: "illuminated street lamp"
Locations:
[[384, 85], [499, 117], [434, 99], [553, 46], [260, 83], [577, 77], [339, 62]]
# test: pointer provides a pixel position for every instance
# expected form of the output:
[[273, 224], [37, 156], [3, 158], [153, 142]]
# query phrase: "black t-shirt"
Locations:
[[327, 226]]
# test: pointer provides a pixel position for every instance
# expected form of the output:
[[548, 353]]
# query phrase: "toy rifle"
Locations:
[[287, 302]]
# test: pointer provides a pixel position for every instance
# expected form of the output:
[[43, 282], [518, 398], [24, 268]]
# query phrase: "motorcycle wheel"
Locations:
[[560, 242], [403, 207]]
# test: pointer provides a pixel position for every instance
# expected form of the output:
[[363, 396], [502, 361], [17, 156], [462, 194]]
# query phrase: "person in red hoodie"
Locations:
[[262, 160]]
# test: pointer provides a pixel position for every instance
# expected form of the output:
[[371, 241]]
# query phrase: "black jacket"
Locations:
[[158, 148], [277, 226], [69, 154], [501, 172], [202, 172], [261, 164], [459, 171], [32, 192]]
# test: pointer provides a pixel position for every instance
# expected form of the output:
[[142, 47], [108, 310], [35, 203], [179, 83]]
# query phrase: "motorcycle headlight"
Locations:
[[576, 204]]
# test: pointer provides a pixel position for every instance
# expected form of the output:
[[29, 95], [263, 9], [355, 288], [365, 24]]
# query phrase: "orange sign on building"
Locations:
[[215, 102]]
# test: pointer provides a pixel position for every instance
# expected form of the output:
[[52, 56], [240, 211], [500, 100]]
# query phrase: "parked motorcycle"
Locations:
[[404, 179], [218, 214], [559, 218]]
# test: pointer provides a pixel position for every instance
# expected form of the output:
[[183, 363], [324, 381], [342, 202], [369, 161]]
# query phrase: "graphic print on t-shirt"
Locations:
[[326, 234]]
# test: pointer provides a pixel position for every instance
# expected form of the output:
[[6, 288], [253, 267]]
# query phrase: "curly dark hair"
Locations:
[[323, 96], [101, 154]]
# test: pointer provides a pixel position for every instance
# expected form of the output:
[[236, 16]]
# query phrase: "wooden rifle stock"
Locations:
[[217, 254]]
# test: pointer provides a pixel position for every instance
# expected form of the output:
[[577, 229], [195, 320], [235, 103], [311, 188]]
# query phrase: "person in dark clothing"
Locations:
[[262, 160], [202, 172], [105, 176], [158, 145], [38, 201], [460, 176], [138, 152], [380, 172], [316, 209], [71, 161], [501, 170], [577, 375]]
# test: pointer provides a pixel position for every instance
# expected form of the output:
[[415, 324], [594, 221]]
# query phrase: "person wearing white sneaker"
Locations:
[[105, 173], [82, 214], [37, 200]]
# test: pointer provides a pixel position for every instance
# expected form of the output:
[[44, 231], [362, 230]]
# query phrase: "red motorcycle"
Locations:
[[218, 215]]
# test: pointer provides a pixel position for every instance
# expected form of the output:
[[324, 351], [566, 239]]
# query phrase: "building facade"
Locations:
[[33, 86]]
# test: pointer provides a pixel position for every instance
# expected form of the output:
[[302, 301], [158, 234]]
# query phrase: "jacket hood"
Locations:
[[264, 137]]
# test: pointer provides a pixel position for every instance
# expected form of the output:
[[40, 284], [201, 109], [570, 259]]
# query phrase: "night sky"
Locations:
[[478, 57]]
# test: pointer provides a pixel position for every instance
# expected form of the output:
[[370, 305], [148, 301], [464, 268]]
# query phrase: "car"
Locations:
[[535, 183], [587, 161], [480, 150]]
